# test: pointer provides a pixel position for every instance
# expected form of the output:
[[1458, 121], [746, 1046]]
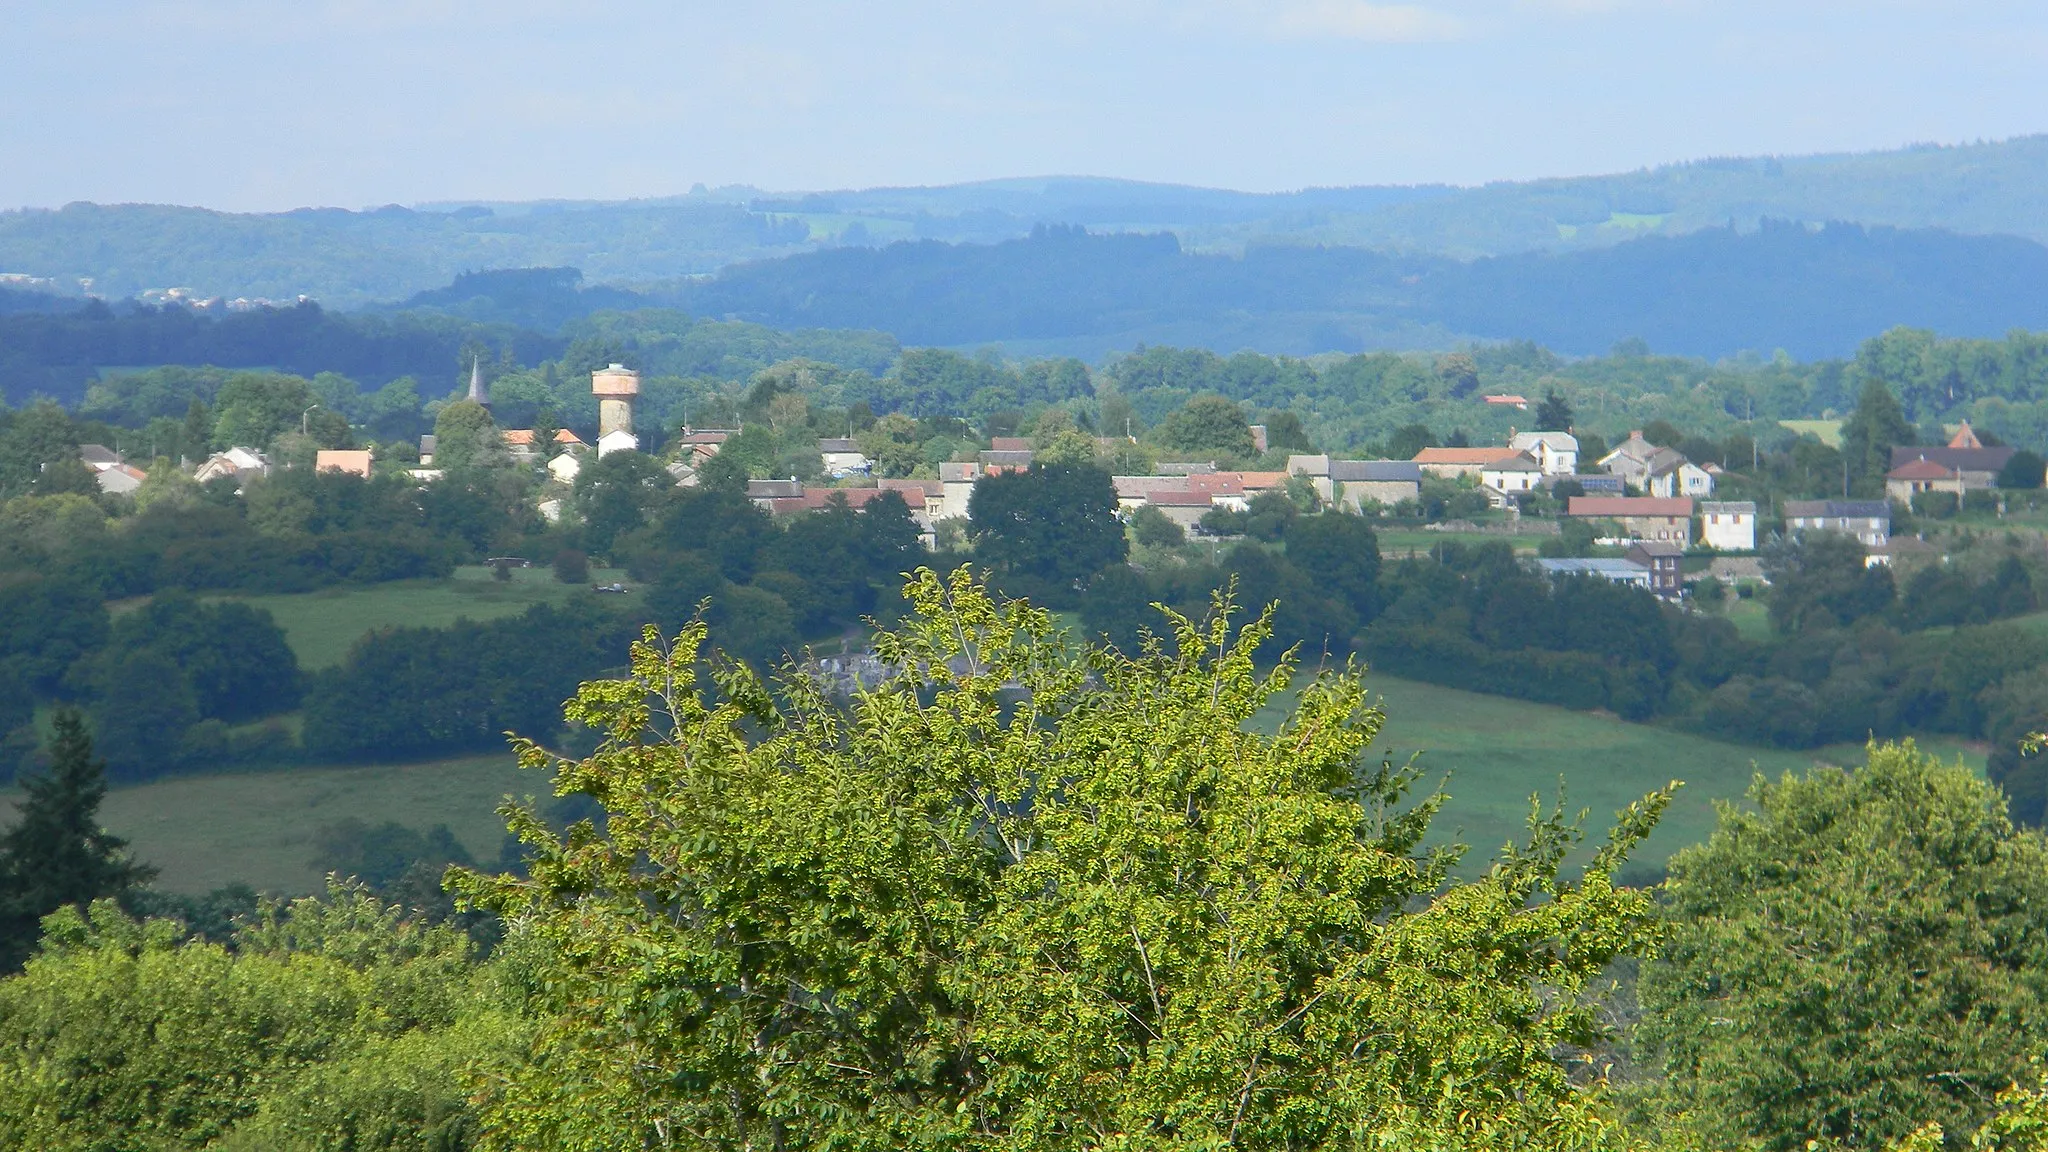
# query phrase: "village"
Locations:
[[1644, 507]]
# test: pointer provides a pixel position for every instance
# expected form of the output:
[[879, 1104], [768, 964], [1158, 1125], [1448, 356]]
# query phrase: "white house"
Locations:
[[1870, 521], [1512, 476], [241, 463], [1681, 477], [617, 440], [841, 457], [1728, 526], [956, 483], [565, 467], [1557, 452], [120, 478]]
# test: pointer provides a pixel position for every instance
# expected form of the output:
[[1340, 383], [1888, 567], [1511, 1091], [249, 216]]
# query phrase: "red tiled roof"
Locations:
[[1921, 469], [1480, 456]]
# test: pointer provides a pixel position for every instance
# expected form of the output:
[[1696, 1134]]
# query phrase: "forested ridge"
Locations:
[[348, 259]]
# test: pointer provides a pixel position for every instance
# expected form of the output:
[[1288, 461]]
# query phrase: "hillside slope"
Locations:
[[351, 258]]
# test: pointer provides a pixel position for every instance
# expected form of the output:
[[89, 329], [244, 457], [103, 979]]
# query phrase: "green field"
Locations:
[[321, 625], [258, 827], [1829, 431], [1492, 754]]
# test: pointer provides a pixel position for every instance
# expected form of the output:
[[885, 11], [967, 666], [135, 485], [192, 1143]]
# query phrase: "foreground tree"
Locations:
[[1027, 897], [57, 855], [1862, 954], [326, 1024]]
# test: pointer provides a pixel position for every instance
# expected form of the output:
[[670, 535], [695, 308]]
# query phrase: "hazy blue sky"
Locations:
[[262, 105]]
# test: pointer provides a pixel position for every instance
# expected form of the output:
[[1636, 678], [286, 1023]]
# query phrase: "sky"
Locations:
[[259, 106]]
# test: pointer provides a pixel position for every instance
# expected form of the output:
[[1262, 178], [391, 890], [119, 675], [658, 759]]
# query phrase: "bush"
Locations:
[[572, 567]]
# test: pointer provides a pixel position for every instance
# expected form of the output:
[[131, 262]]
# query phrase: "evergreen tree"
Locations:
[[1870, 433], [57, 855], [1553, 414]]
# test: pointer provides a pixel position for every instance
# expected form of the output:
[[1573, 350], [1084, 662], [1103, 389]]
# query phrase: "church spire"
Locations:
[[476, 383]]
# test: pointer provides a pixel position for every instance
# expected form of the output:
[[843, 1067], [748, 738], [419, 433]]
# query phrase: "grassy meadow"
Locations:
[[1489, 754], [322, 625]]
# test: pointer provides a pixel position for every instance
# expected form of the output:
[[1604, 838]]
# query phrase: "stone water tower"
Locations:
[[617, 389]]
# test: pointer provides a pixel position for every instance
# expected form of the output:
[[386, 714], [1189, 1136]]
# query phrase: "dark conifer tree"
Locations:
[[56, 854]]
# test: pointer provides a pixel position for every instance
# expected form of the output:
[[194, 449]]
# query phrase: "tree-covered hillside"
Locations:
[[345, 258], [1810, 291]]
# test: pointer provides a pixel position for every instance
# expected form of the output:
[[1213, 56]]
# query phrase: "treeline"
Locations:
[[415, 692], [57, 353]]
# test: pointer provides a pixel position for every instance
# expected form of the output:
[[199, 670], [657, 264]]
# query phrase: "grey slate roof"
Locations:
[[1376, 470]]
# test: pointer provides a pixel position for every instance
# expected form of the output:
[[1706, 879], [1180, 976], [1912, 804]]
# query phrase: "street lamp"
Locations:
[[302, 420]]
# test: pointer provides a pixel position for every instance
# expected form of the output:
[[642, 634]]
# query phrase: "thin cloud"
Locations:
[[1378, 23]]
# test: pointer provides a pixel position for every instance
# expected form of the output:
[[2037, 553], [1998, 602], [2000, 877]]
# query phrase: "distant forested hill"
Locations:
[[349, 259], [1814, 292]]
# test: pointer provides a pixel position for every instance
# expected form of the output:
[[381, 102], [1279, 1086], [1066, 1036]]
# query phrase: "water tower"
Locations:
[[617, 389]]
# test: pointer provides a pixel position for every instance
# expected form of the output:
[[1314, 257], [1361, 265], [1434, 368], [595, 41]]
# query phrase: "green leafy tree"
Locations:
[[1853, 955], [1055, 524], [1208, 424], [619, 494], [1068, 449], [465, 438], [1029, 897], [331, 1023], [253, 407], [56, 855], [1408, 440], [1340, 553], [1820, 579], [2026, 469], [1155, 529]]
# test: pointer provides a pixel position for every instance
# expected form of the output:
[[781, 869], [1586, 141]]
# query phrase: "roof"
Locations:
[[564, 436], [1180, 497], [98, 454], [1967, 459], [924, 487], [1009, 444], [1138, 487], [1838, 509], [1728, 507], [1519, 462], [1186, 468], [956, 472], [839, 444], [1508, 398], [704, 437], [1383, 471], [1631, 506], [814, 499], [1593, 566], [1463, 455], [1656, 548], [773, 489], [1256, 481], [518, 436], [1005, 458], [1965, 437], [342, 460], [1557, 441], [1921, 468]]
